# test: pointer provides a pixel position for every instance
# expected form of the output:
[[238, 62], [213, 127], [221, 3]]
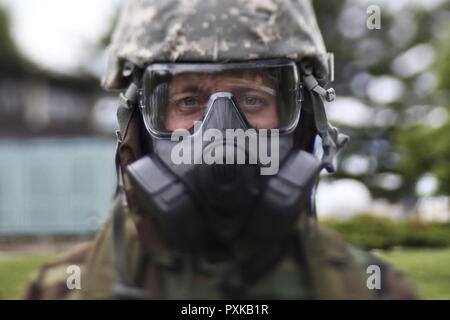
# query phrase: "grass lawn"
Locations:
[[428, 269], [16, 272]]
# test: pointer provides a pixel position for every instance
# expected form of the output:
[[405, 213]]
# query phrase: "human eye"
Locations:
[[188, 102], [252, 102]]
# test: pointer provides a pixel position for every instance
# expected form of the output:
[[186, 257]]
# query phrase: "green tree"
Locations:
[[426, 149], [400, 141], [11, 59]]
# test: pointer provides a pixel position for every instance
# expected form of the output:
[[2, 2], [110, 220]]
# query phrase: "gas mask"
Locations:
[[221, 166]]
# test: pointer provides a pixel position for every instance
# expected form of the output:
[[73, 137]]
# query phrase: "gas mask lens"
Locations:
[[176, 96]]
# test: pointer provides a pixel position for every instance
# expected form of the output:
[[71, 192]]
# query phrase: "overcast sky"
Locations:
[[55, 33]]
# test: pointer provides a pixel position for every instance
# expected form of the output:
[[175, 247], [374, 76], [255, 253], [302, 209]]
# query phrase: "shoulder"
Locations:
[[353, 272], [392, 283]]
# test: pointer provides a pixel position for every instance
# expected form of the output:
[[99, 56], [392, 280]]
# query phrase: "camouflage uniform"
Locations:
[[313, 263]]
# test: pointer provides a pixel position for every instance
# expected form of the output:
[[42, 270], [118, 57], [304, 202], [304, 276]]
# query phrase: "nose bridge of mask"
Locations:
[[222, 113]]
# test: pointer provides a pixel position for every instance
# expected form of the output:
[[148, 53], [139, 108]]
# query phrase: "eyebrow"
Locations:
[[267, 90], [190, 87], [247, 86]]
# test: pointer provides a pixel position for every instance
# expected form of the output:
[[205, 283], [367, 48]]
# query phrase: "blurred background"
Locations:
[[391, 192]]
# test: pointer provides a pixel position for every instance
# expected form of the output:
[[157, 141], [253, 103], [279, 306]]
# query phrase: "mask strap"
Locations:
[[332, 140], [123, 287], [127, 102]]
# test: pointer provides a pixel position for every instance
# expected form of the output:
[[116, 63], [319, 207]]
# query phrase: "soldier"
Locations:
[[189, 220]]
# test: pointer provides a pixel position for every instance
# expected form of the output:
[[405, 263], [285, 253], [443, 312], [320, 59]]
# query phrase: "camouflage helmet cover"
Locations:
[[213, 31]]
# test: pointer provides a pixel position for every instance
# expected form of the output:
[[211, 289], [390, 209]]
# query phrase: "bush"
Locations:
[[419, 234], [374, 232]]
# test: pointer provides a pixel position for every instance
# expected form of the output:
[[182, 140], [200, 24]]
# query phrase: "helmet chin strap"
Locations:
[[332, 139], [128, 102]]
